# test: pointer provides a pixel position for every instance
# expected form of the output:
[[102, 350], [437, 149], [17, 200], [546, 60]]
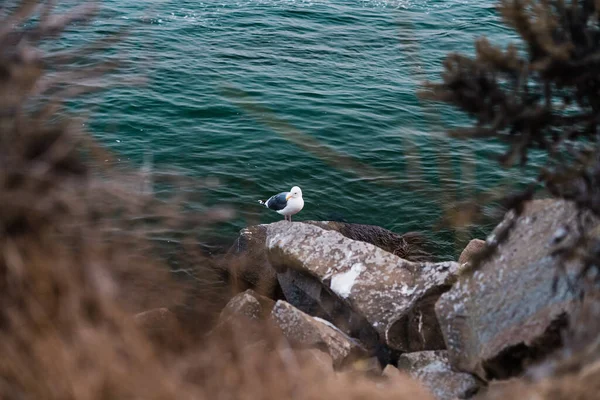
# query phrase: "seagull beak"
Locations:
[[288, 197]]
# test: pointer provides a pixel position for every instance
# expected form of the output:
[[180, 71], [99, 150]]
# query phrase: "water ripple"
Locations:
[[342, 72]]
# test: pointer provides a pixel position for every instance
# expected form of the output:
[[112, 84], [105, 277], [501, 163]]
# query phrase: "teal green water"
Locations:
[[341, 72]]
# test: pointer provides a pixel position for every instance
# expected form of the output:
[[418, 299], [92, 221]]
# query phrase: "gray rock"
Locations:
[[247, 262], [391, 372], [244, 316], [470, 250], [306, 331], [248, 304], [506, 313], [361, 282], [308, 294], [433, 370], [253, 270]]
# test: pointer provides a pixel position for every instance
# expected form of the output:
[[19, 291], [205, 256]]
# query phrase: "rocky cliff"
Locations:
[[369, 299]]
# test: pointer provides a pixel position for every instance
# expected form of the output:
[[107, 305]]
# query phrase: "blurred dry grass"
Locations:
[[78, 259]]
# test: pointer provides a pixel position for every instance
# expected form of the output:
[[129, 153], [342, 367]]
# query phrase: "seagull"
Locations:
[[286, 203]]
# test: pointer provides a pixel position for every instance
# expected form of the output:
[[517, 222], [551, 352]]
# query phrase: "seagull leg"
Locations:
[[290, 218]]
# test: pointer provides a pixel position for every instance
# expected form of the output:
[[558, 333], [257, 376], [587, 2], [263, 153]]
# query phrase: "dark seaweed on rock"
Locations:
[[542, 97], [411, 246]]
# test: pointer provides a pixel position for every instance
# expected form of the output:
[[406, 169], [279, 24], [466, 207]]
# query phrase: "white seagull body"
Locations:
[[286, 203]]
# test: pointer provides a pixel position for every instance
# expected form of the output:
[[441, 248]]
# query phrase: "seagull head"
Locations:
[[295, 193]]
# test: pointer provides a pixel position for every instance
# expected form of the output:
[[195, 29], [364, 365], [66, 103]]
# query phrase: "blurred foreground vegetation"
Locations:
[[77, 234]]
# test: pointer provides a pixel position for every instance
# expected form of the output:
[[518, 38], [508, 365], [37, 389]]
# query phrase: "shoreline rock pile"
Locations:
[[455, 330]]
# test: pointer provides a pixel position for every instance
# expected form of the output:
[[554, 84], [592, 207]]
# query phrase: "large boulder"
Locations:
[[248, 304], [433, 370], [377, 294], [309, 294], [247, 265], [303, 330], [243, 320], [509, 312]]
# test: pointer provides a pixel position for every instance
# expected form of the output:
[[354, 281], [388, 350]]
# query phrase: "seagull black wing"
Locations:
[[277, 202]]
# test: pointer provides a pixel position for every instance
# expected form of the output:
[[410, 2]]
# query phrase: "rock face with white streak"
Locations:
[[308, 294], [304, 330], [508, 314], [433, 370], [362, 281], [252, 268]]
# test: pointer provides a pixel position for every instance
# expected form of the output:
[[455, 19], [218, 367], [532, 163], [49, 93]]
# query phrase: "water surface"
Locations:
[[318, 78]]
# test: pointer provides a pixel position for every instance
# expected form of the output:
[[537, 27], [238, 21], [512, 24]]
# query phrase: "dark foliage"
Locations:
[[545, 96]]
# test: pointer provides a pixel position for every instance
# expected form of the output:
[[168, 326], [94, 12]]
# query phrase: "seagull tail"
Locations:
[[262, 203]]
